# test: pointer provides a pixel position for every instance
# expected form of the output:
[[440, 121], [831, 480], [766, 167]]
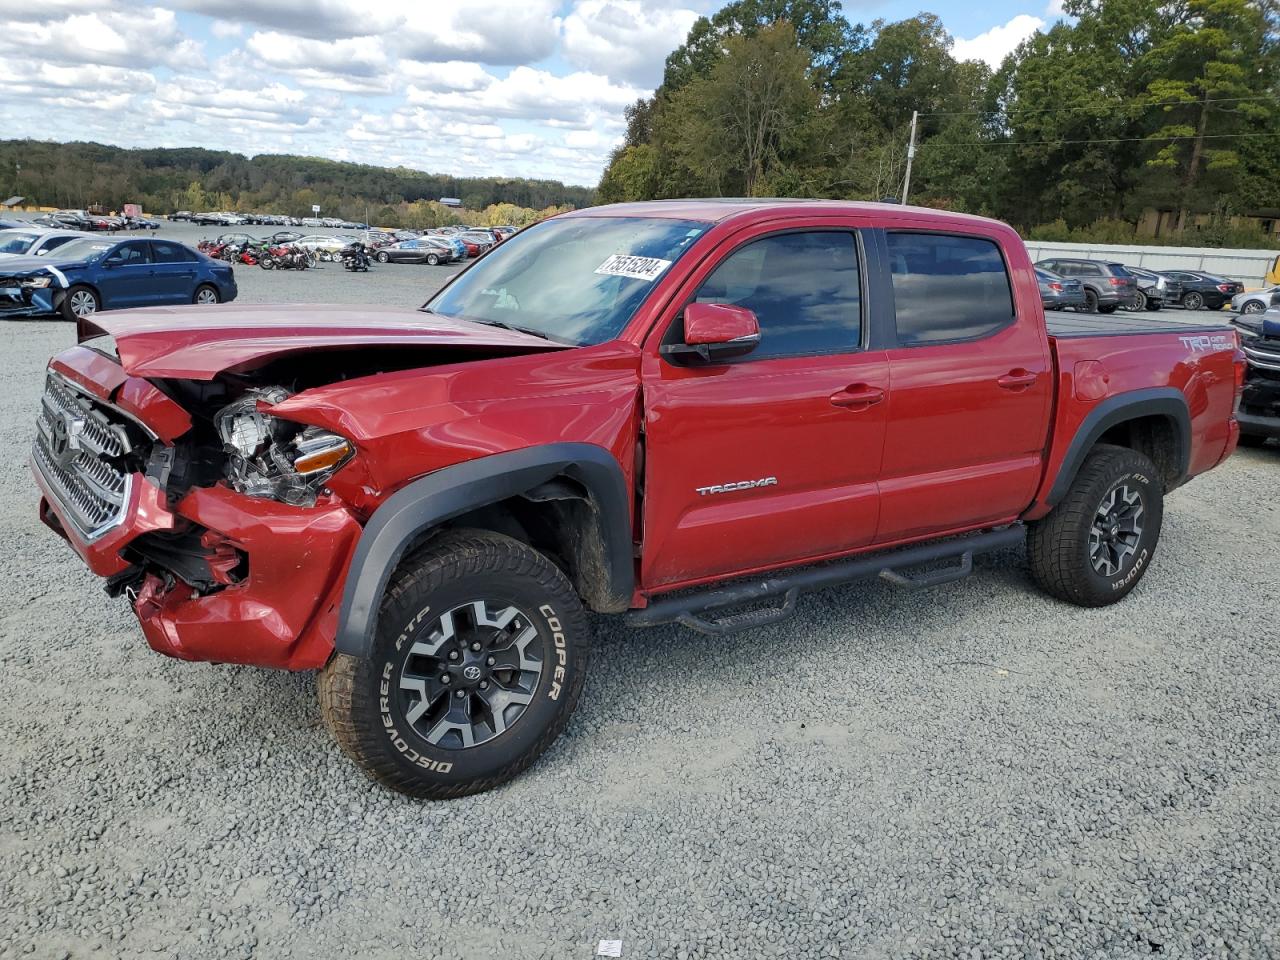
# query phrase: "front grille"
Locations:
[[79, 450], [1263, 354]]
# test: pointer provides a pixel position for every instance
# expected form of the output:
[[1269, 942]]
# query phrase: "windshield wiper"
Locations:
[[517, 329]]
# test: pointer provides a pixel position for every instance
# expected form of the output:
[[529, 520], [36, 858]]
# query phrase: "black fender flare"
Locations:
[[453, 491], [1167, 402]]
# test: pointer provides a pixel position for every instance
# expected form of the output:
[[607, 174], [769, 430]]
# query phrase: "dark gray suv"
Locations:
[[1107, 286]]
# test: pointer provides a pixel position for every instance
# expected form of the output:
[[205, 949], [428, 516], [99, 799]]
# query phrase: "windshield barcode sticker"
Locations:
[[637, 268]]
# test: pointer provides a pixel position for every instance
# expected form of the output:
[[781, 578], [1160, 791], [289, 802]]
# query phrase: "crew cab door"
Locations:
[[972, 385], [772, 457]]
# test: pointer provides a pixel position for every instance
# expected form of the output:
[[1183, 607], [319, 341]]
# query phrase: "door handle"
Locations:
[[859, 396], [1018, 379]]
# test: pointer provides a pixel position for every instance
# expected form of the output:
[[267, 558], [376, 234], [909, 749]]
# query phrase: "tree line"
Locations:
[[1121, 107], [83, 175]]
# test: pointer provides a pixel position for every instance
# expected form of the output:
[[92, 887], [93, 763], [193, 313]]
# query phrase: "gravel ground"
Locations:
[[974, 771]]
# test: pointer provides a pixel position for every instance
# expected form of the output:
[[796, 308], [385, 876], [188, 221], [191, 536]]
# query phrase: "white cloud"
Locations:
[[353, 57], [624, 39], [998, 42], [225, 29], [500, 32], [318, 19], [450, 75], [1054, 9], [530, 94], [110, 38]]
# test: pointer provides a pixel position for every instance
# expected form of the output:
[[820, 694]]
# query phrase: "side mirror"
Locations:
[[714, 332]]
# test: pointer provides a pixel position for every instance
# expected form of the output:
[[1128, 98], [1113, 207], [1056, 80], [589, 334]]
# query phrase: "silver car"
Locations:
[[34, 242], [1257, 301]]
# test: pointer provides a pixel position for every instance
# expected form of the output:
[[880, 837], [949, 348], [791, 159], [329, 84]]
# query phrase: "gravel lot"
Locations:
[[975, 771]]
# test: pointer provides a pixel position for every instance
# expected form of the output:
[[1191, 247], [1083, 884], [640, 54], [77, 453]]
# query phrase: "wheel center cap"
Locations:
[[471, 672]]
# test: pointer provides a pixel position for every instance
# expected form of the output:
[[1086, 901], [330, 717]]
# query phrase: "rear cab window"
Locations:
[[948, 287]]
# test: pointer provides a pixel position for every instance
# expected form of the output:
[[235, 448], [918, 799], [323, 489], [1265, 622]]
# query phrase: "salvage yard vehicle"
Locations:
[[1204, 290], [35, 241], [1259, 412], [1257, 301], [1107, 286], [1060, 293], [680, 412], [1155, 290], [428, 250], [98, 273]]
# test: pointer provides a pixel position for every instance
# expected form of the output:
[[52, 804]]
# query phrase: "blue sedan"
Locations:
[[84, 276]]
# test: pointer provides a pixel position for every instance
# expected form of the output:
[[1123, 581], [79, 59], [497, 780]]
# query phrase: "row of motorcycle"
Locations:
[[283, 256]]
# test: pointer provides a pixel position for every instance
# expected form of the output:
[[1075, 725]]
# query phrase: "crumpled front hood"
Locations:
[[198, 343]]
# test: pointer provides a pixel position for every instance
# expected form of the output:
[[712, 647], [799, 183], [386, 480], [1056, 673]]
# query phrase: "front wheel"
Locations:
[[1095, 545], [432, 260], [1090, 302], [383, 256], [80, 302], [266, 263], [1137, 304], [478, 659]]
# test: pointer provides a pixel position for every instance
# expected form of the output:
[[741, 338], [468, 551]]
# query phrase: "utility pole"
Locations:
[[911, 155]]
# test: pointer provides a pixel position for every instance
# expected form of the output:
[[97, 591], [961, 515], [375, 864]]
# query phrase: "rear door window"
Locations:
[[948, 288], [168, 252]]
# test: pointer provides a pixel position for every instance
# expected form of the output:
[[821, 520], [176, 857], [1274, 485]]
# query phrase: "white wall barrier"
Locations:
[[1247, 266]]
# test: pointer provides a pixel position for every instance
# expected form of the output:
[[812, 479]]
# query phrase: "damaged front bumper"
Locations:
[[18, 298], [213, 575]]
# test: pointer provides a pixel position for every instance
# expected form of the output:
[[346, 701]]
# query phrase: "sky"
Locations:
[[531, 88]]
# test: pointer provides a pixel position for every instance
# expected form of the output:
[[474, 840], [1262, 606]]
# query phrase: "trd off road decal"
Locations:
[[637, 268], [1207, 343]]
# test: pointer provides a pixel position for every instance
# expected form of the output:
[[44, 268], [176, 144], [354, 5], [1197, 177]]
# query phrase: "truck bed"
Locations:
[[1065, 326]]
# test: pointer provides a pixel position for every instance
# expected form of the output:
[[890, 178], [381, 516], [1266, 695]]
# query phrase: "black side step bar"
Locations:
[[692, 610]]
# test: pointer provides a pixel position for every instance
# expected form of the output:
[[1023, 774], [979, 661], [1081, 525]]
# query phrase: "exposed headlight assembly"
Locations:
[[270, 457], [38, 282]]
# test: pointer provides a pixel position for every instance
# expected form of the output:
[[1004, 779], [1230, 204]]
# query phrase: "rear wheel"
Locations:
[[1098, 542], [1138, 303], [206, 294], [1254, 306], [80, 302], [266, 263], [1193, 300], [432, 260], [478, 659]]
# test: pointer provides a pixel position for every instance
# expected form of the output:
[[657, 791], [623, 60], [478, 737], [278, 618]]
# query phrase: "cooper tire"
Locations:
[[79, 302], [1079, 552], [392, 712]]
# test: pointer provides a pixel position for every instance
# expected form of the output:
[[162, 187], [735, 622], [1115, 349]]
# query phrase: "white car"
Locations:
[[324, 247], [34, 242], [1257, 301]]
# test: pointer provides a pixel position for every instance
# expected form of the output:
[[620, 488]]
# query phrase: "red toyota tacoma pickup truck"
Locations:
[[683, 411]]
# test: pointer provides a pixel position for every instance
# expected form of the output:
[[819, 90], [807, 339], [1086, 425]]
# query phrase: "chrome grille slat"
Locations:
[[86, 479], [1266, 358]]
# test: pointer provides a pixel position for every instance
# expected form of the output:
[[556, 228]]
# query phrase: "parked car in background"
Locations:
[[141, 223], [285, 236], [1155, 290], [428, 250], [483, 239], [1060, 293], [35, 242], [325, 247], [1201, 290], [1257, 301], [1107, 285], [453, 241], [181, 215], [99, 273], [1259, 411], [66, 220], [11, 224]]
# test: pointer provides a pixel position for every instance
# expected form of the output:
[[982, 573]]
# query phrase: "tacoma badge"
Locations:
[[740, 485]]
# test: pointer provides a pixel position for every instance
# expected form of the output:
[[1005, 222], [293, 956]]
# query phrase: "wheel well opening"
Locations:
[[559, 519], [1157, 438]]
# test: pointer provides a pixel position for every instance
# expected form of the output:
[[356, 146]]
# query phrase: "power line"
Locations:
[[1023, 143], [1109, 105]]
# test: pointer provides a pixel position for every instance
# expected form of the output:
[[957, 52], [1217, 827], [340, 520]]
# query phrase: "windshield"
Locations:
[[577, 280], [14, 242], [87, 249]]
